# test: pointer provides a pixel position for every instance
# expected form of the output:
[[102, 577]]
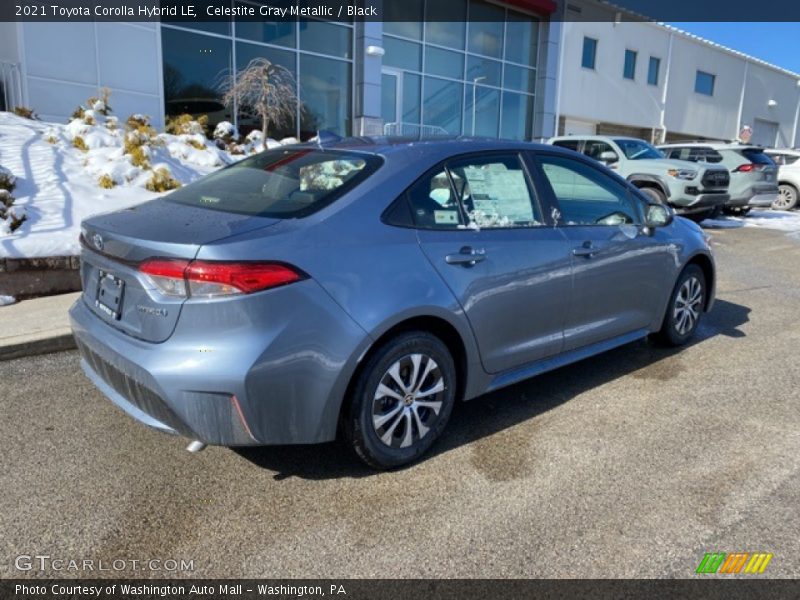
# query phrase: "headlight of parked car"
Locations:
[[683, 173]]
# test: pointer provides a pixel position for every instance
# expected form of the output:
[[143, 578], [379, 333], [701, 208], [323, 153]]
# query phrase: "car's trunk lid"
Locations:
[[115, 244]]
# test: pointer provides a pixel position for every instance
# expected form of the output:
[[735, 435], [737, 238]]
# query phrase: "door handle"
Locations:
[[467, 257], [586, 250]]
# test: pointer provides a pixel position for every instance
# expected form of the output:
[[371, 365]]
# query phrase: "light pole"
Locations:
[[474, 81]]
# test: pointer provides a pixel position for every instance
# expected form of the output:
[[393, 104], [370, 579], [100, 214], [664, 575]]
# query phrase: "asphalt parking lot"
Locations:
[[631, 464]]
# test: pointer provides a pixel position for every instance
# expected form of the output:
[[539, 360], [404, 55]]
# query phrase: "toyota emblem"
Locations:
[[97, 240]]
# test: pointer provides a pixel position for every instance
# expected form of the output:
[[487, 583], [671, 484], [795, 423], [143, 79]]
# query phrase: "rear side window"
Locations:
[[756, 156], [485, 192], [568, 144], [281, 183]]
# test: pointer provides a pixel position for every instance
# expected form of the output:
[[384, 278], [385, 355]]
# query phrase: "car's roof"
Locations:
[[714, 145], [782, 151], [595, 137], [446, 144]]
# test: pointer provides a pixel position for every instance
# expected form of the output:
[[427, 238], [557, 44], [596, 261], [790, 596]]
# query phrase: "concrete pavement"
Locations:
[[36, 326], [634, 463]]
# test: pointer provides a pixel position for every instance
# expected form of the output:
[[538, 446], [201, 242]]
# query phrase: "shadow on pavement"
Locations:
[[497, 411]]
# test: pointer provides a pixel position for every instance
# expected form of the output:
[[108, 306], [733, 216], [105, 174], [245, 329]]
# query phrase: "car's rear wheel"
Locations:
[[787, 197], [685, 308], [401, 400]]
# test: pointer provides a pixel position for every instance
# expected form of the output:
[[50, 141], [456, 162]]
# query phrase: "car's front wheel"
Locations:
[[401, 400], [684, 308]]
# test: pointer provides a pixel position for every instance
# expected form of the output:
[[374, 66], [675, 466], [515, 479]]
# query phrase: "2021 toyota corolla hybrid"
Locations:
[[362, 287]]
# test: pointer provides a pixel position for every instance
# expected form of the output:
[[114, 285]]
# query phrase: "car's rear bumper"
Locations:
[[756, 198], [234, 372]]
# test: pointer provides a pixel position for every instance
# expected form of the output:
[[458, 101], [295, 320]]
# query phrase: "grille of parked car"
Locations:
[[716, 178], [134, 392]]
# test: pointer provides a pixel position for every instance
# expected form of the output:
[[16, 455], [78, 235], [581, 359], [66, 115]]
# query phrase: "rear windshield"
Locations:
[[756, 156], [281, 183]]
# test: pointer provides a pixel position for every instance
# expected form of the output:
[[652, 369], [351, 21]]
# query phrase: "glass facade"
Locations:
[[469, 69], [198, 58], [465, 67]]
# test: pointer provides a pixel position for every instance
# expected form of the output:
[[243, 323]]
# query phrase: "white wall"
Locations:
[[763, 85], [696, 114], [603, 94], [65, 63]]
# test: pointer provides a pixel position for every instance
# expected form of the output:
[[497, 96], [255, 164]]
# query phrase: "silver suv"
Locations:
[[694, 191], [754, 176]]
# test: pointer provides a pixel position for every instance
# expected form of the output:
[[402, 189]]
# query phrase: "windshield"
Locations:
[[281, 183], [637, 149]]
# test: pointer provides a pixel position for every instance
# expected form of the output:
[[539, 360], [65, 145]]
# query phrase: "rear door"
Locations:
[[618, 270], [482, 227]]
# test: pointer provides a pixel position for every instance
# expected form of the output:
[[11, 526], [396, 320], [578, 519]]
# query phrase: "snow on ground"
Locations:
[[6, 300], [788, 221], [57, 183]]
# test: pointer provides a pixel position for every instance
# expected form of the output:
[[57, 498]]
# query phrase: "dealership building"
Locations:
[[523, 69]]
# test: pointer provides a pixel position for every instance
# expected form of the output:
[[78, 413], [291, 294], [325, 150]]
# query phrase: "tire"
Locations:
[[739, 211], [698, 217], [654, 194], [684, 309], [787, 197], [395, 428]]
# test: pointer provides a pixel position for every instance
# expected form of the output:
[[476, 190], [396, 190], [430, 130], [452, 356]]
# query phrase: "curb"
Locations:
[[56, 343]]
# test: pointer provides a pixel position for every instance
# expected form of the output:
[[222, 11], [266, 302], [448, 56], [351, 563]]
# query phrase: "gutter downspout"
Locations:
[[741, 100], [668, 71]]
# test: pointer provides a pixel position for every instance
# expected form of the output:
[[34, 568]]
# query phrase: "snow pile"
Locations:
[[97, 163], [6, 300], [788, 221]]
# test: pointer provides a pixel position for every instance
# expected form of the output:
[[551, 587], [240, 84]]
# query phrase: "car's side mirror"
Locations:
[[658, 215], [609, 156]]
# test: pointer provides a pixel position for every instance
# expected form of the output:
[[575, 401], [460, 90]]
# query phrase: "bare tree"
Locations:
[[267, 89]]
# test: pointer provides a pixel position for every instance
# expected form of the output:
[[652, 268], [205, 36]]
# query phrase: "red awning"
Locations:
[[543, 7]]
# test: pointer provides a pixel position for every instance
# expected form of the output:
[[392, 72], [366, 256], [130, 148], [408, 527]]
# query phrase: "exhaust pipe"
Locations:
[[196, 446]]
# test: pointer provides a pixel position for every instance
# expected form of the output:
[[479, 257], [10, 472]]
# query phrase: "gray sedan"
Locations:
[[359, 288]]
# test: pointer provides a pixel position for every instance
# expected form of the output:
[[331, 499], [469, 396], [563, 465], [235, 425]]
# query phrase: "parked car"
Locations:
[[694, 192], [364, 286], [754, 176], [788, 177]]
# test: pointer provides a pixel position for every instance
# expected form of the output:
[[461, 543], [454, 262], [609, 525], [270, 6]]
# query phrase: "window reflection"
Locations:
[[195, 66], [442, 104], [517, 116], [325, 94]]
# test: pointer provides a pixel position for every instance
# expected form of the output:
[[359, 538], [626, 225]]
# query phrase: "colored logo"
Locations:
[[736, 562]]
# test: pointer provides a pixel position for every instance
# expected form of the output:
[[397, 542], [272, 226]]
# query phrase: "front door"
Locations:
[[618, 269], [482, 228]]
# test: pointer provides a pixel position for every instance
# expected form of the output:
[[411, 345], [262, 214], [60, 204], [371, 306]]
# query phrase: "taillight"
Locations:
[[745, 168], [210, 279]]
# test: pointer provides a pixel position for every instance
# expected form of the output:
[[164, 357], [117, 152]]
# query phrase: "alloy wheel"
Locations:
[[786, 198], [408, 401], [686, 310]]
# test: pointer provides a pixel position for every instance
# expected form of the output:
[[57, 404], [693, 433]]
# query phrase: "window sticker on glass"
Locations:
[[445, 217], [496, 196]]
